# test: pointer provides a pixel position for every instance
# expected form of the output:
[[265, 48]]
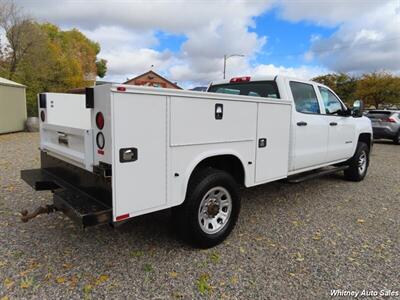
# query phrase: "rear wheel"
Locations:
[[210, 210], [396, 139], [358, 164]]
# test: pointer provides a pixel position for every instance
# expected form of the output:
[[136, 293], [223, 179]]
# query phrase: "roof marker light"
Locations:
[[121, 89], [240, 79]]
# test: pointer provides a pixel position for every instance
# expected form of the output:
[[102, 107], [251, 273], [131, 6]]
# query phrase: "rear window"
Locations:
[[266, 89], [378, 114]]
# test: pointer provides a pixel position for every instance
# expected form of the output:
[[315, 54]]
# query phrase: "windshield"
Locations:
[[266, 89]]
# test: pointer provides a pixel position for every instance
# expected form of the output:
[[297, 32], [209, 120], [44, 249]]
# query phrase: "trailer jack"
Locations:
[[25, 216]]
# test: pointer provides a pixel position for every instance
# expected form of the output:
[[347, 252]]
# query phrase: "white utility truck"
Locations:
[[122, 151]]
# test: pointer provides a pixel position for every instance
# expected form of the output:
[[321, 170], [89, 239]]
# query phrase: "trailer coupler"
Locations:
[[25, 216]]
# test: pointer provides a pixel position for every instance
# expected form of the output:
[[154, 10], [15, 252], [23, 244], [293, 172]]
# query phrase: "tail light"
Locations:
[[99, 120], [240, 79], [390, 120], [42, 116]]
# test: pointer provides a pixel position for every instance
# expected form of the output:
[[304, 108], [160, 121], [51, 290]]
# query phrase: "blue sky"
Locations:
[[287, 41], [186, 40]]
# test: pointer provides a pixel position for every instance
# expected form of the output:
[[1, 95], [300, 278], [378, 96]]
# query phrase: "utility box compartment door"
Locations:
[[273, 129], [139, 153], [196, 121]]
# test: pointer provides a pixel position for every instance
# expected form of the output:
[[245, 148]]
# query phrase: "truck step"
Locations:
[[81, 208], [315, 174], [39, 179]]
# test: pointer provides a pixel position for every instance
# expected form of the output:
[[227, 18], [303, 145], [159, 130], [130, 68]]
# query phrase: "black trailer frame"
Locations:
[[83, 196]]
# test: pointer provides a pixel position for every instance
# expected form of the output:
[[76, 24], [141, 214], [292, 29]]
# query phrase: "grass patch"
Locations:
[[203, 285], [214, 257], [136, 253], [148, 268]]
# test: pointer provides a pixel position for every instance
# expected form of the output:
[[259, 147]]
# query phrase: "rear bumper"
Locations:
[[83, 196]]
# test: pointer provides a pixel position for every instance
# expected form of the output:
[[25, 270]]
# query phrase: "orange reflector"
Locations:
[[122, 217]]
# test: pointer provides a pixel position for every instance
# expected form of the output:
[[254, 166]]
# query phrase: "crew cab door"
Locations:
[[341, 128], [309, 127]]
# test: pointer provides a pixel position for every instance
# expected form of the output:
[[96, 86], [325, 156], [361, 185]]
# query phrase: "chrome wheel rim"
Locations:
[[362, 162], [215, 210]]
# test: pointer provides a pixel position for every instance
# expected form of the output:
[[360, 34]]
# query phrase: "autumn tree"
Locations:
[[342, 84], [379, 88], [22, 36], [45, 58]]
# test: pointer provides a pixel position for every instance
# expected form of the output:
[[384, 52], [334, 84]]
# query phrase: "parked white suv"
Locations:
[[135, 150]]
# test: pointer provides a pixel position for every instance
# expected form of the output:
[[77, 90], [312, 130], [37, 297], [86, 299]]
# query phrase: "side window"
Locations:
[[305, 98], [331, 102]]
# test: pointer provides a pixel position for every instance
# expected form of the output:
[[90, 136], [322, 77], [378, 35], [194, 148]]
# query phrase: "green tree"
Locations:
[[379, 88], [342, 84], [101, 65]]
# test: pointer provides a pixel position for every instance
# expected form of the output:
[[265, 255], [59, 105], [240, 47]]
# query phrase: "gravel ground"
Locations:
[[292, 241]]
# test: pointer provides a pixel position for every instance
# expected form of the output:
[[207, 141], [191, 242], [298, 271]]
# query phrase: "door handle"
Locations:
[[333, 124], [302, 123], [262, 143], [128, 154]]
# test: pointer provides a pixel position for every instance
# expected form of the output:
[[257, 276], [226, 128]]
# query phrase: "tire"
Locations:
[[358, 164], [217, 193], [396, 140]]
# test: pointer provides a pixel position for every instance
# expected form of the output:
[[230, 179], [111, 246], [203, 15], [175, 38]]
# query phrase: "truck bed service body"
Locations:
[[121, 151]]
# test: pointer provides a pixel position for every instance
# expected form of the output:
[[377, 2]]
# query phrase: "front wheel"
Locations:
[[210, 210], [358, 164]]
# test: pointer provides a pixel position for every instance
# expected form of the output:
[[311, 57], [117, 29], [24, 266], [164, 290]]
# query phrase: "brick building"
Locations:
[[151, 78]]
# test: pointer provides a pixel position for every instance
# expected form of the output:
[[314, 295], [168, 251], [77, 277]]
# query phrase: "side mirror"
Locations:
[[358, 108], [346, 113]]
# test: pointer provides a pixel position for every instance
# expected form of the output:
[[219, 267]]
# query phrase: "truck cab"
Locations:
[[323, 131], [122, 151]]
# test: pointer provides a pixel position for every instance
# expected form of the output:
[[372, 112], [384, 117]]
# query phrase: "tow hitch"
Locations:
[[25, 216]]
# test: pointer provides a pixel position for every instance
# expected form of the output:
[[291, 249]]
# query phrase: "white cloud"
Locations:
[[112, 37], [127, 32], [370, 42], [328, 12], [368, 35], [128, 62], [303, 72], [177, 16]]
